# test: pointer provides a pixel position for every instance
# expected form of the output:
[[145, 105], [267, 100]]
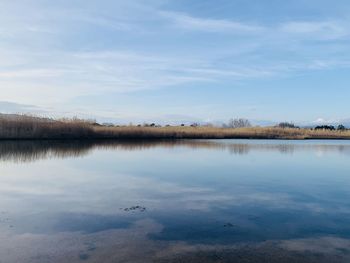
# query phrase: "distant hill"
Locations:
[[23, 117], [11, 107]]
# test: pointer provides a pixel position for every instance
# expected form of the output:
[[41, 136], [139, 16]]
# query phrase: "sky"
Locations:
[[176, 60]]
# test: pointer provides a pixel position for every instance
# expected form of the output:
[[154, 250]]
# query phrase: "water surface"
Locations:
[[184, 201]]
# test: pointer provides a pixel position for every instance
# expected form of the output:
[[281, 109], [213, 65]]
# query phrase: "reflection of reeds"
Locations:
[[25, 127], [27, 151]]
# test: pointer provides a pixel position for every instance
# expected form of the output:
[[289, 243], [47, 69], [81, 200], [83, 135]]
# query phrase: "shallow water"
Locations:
[[185, 201]]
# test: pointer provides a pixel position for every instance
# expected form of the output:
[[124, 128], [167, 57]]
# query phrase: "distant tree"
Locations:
[[182, 125], [287, 125], [341, 127], [325, 127], [108, 124], [238, 123], [195, 124]]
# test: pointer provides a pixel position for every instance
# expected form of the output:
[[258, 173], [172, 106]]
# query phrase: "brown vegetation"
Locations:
[[26, 127]]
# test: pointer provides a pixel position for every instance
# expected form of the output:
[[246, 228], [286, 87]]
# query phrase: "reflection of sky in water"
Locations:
[[203, 193]]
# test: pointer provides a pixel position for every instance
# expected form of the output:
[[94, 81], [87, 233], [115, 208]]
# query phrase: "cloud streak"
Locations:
[[326, 30], [188, 22]]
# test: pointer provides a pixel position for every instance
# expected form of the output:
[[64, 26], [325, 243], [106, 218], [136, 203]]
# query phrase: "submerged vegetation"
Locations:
[[13, 127]]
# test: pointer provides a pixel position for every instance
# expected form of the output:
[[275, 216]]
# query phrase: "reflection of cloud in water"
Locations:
[[318, 245], [123, 245], [26, 151], [133, 245], [269, 252]]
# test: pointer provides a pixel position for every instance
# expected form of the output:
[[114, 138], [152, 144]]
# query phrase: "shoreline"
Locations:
[[34, 128], [166, 139], [174, 133]]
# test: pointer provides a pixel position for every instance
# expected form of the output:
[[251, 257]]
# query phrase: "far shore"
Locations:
[[33, 128], [178, 133]]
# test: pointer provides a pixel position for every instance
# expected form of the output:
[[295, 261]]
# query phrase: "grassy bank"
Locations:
[[26, 127]]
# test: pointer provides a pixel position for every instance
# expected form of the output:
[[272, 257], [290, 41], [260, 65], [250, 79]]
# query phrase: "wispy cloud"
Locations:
[[58, 76], [316, 29], [295, 29], [188, 22], [327, 29], [30, 73]]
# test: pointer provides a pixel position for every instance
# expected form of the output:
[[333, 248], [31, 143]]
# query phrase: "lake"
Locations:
[[175, 201]]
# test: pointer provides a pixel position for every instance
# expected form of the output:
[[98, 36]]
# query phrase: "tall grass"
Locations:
[[27, 127]]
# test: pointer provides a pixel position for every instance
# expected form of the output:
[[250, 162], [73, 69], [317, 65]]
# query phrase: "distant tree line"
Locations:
[[285, 125], [290, 125], [232, 123], [340, 127]]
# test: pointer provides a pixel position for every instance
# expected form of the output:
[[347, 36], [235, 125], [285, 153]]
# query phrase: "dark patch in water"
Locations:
[[90, 246], [134, 208], [229, 225], [83, 256], [242, 226]]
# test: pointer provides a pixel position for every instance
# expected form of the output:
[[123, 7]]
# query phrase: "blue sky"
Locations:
[[176, 60]]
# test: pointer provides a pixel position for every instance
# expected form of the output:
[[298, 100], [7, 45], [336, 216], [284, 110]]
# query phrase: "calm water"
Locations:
[[189, 201]]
